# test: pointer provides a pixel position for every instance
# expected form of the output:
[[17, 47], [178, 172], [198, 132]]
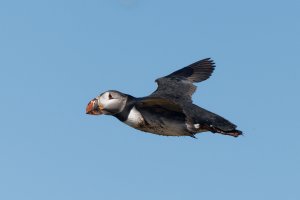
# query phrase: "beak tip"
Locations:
[[89, 108], [92, 108]]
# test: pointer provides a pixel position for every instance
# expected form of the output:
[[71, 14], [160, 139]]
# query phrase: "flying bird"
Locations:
[[169, 110]]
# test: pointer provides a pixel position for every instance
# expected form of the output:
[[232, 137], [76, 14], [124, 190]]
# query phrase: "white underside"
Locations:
[[169, 127], [134, 118]]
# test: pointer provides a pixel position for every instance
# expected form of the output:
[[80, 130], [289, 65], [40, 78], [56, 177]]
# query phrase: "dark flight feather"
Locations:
[[155, 101], [178, 86], [196, 72]]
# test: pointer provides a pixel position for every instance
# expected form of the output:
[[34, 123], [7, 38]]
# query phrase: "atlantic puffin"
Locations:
[[169, 110]]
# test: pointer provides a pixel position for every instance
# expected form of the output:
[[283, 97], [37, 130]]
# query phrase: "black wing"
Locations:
[[178, 86], [196, 72], [148, 102]]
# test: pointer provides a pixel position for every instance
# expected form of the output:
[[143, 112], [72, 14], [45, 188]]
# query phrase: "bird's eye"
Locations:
[[110, 96]]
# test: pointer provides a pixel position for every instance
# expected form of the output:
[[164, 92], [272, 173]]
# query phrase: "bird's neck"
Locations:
[[123, 115]]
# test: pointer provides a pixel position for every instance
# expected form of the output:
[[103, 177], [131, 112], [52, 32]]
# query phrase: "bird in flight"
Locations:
[[169, 110]]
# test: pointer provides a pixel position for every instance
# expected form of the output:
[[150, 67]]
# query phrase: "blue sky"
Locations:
[[57, 55]]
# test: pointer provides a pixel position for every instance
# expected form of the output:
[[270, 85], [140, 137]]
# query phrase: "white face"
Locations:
[[112, 102]]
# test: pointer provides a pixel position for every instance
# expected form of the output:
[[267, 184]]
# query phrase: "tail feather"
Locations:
[[234, 133], [210, 121]]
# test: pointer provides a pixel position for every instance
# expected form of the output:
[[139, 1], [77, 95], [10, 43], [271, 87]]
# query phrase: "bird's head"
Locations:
[[108, 103]]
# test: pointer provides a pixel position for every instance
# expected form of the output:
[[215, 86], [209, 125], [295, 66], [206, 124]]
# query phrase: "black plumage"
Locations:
[[178, 88]]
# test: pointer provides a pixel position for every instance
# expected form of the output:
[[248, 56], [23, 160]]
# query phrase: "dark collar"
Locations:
[[122, 116]]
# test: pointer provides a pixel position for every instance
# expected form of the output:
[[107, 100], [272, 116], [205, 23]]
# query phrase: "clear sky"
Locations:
[[56, 55]]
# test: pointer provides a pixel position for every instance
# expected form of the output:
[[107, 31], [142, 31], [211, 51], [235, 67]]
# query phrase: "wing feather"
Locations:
[[155, 101], [178, 86], [196, 72]]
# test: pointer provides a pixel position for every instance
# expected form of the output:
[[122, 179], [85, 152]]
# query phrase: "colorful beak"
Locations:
[[93, 108]]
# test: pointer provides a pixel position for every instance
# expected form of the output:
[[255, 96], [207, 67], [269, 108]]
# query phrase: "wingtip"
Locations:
[[208, 59], [236, 133]]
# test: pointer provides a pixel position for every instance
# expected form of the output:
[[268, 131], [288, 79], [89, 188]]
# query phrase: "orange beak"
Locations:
[[93, 108]]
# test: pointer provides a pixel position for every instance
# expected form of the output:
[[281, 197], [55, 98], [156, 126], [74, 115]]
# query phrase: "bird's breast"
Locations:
[[135, 118], [155, 123]]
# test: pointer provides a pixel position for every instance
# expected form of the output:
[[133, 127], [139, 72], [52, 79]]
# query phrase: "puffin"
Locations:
[[169, 110]]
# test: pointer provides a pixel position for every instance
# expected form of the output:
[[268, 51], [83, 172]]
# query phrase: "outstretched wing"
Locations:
[[196, 72], [178, 86], [148, 102]]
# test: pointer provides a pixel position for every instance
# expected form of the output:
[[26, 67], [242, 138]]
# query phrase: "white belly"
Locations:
[[134, 118], [169, 127]]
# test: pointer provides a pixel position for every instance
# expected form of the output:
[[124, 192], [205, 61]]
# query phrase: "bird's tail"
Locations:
[[234, 132], [212, 122]]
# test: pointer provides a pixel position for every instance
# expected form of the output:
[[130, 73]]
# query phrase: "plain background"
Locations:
[[56, 55]]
